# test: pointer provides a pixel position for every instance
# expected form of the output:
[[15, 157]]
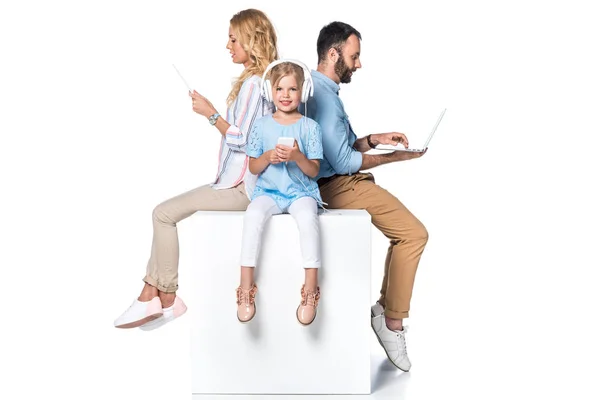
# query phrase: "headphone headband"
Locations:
[[307, 87]]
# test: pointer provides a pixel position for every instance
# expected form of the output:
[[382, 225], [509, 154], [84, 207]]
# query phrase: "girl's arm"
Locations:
[[309, 167], [258, 165], [310, 163], [259, 159]]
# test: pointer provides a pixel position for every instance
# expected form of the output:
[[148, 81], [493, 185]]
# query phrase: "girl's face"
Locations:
[[238, 54], [286, 94]]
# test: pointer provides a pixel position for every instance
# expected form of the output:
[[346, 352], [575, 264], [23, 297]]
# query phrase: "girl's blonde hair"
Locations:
[[285, 69], [257, 36]]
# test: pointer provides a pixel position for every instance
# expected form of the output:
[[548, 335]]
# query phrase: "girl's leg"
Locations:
[[258, 213], [311, 277], [304, 211]]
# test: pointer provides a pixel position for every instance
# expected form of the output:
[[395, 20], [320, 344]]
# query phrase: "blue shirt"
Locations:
[[327, 109], [285, 182]]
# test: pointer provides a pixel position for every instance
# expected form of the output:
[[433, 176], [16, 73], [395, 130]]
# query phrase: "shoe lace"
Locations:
[[246, 296], [128, 308], [402, 339], [309, 297]]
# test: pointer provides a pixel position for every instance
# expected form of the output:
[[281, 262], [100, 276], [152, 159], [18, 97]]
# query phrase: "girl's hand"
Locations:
[[286, 153], [272, 157], [201, 105]]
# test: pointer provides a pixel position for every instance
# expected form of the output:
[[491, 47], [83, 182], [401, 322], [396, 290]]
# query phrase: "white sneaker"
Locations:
[[169, 314], [139, 313], [393, 342], [376, 310]]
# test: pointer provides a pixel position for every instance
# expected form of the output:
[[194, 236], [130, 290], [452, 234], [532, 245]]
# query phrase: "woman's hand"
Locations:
[[201, 105], [286, 153]]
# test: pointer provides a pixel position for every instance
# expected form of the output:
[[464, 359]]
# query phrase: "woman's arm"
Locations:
[[249, 107], [202, 106]]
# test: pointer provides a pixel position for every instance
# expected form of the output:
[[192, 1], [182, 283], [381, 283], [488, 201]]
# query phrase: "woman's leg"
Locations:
[[161, 280], [162, 269]]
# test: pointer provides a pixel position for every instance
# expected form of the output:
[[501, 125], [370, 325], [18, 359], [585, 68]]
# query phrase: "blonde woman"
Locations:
[[252, 43]]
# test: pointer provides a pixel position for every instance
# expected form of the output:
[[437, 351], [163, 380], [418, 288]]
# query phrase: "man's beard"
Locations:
[[343, 71]]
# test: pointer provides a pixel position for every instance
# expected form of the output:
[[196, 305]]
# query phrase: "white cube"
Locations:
[[274, 353]]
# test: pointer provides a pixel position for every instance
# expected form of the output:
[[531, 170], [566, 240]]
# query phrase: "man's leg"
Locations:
[[407, 237]]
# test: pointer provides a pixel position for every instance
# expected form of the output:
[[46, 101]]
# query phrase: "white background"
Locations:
[[96, 129]]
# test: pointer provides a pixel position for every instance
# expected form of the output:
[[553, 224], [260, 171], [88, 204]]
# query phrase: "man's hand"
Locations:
[[407, 155], [391, 138], [201, 105], [286, 153]]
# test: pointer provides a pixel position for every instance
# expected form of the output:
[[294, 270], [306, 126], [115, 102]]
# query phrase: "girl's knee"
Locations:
[[307, 221], [254, 216]]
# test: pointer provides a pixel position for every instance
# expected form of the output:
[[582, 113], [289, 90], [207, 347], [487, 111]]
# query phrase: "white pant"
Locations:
[[304, 211]]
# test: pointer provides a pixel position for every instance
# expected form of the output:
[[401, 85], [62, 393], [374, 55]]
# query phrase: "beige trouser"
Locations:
[[164, 257], [407, 234]]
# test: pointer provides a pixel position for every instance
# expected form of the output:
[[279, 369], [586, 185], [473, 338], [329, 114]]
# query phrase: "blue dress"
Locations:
[[285, 182]]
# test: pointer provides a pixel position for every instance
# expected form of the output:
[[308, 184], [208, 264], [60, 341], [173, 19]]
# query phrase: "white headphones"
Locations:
[[307, 86]]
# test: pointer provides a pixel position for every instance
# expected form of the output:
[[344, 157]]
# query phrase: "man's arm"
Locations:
[[375, 160], [338, 152], [392, 138], [362, 145]]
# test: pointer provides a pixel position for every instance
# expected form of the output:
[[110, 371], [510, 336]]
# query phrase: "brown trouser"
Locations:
[[162, 269], [407, 234]]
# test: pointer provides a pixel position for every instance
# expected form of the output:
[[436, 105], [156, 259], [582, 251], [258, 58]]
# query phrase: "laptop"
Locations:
[[400, 146]]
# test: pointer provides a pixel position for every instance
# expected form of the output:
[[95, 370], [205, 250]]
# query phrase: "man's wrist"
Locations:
[[371, 142]]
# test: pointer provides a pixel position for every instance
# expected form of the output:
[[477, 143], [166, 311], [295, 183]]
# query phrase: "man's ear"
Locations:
[[333, 55]]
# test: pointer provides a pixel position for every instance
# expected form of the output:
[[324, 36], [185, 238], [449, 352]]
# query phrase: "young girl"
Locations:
[[252, 43], [284, 184]]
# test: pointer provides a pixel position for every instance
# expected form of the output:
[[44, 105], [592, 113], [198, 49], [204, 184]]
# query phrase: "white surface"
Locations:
[[387, 382], [274, 353], [96, 129]]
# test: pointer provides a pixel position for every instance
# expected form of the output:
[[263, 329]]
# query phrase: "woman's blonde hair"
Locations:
[[257, 36]]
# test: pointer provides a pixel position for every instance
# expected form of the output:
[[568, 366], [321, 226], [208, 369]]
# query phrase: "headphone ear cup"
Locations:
[[303, 98], [306, 87], [267, 91]]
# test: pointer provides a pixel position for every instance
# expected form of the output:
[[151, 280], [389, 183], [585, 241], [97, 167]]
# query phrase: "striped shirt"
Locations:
[[233, 161]]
